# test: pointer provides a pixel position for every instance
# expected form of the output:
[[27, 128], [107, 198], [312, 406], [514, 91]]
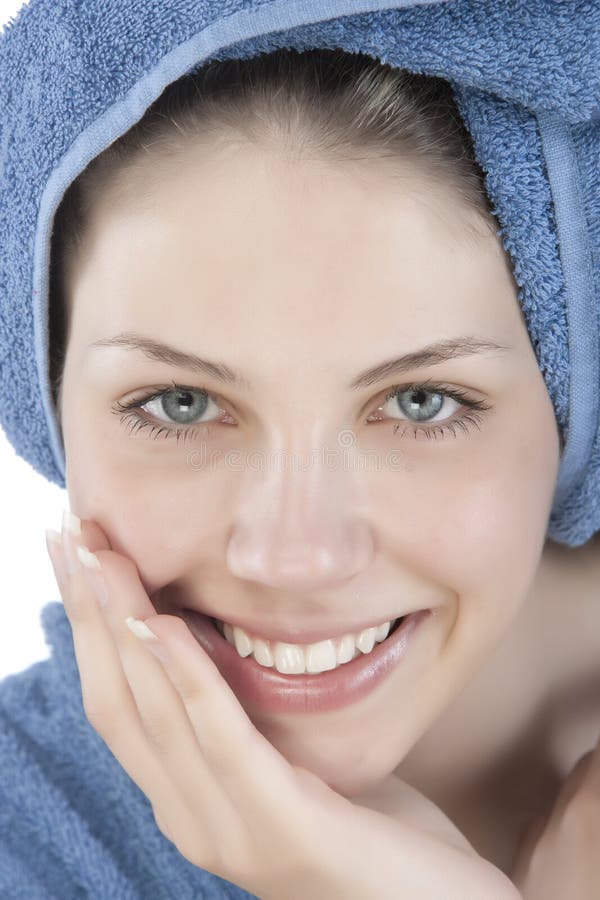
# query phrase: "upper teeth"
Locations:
[[295, 659]]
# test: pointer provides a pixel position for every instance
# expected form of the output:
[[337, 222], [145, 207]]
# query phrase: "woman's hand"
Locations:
[[558, 856], [224, 796]]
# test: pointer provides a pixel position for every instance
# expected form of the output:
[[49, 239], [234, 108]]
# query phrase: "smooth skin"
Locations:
[[300, 277], [558, 856], [344, 270], [182, 736]]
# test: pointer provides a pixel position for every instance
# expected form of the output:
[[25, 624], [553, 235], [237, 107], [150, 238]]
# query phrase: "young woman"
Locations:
[[311, 460]]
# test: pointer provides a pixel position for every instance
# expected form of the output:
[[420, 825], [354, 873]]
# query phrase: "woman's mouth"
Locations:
[[263, 685], [298, 659]]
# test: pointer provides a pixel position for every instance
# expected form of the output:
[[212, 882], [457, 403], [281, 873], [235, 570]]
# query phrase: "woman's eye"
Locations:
[[181, 411], [184, 412], [425, 408], [181, 407]]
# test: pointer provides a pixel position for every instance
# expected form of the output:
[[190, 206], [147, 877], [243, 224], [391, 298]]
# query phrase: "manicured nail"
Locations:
[[140, 629], [71, 533], [93, 567], [54, 545], [56, 554], [88, 558], [148, 638], [71, 522]]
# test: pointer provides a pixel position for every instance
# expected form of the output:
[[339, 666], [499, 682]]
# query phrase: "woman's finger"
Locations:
[[178, 729], [230, 741], [159, 706], [235, 750], [260, 785], [107, 699], [55, 552]]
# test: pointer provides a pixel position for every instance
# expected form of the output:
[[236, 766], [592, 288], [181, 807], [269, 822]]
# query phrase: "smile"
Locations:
[[297, 659], [271, 691]]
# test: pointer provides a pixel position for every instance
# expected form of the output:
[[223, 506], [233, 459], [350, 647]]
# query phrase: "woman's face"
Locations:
[[299, 279]]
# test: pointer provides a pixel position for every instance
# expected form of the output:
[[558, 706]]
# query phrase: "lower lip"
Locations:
[[273, 692]]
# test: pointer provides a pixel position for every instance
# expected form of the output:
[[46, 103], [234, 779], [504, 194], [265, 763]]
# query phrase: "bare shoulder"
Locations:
[[568, 589], [572, 588], [543, 683]]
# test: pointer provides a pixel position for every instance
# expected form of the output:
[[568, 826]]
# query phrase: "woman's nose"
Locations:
[[301, 530]]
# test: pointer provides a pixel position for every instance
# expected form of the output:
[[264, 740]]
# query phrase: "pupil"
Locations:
[[419, 406], [184, 406]]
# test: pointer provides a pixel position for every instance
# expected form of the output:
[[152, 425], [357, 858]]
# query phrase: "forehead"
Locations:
[[214, 174], [247, 233]]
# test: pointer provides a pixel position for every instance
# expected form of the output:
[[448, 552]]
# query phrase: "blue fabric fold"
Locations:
[[74, 77]]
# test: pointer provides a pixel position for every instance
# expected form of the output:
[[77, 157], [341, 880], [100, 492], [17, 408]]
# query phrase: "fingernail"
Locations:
[[148, 638], [140, 629], [54, 545], [71, 533], [56, 554], [71, 522], [92, 566]]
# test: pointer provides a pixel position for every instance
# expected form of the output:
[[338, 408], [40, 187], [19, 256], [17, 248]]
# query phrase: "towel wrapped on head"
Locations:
[[526, 78]]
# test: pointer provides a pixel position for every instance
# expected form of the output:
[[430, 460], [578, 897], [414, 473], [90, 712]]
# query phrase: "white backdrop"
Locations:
[[8, 8], [30, 504]]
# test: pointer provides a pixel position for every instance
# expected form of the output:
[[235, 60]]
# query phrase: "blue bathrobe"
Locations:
[[76, 75]]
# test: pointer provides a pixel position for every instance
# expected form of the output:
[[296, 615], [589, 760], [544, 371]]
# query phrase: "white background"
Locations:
[[28, 505]]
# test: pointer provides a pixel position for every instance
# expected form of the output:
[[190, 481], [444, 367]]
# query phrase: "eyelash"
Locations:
[[129, 411]]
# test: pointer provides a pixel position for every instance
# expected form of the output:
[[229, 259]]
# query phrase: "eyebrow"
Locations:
[[432, 355]]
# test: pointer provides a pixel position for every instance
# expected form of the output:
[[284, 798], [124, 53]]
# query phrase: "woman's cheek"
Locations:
[[155, 508], [452, 520]]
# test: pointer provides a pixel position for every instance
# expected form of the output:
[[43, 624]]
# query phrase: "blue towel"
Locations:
[[74, 77], [73, 825], [526, 76]]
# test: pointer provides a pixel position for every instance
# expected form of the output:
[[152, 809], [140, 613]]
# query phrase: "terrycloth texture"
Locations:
[[74, 76], [73, 825]]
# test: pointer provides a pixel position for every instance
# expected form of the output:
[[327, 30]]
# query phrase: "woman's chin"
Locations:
[[335, 768]]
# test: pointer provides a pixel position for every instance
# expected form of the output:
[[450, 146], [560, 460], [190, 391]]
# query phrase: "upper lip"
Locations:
[[300, 635]]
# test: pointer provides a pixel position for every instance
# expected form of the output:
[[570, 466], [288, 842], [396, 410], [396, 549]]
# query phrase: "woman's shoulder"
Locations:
[[543, 684], [568, 614], [572, 592]]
